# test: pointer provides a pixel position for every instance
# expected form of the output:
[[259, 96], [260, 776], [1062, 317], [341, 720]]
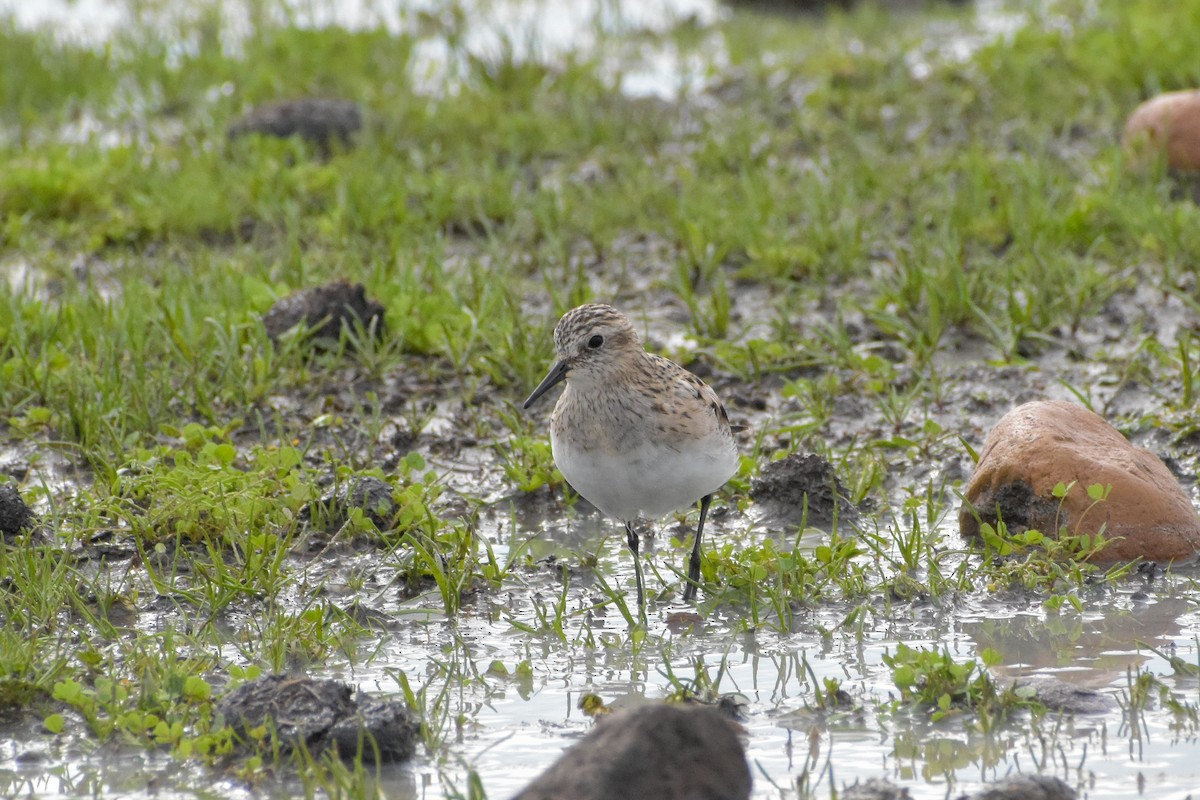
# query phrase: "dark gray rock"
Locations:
[[661, 751], [325, 310], [782, 487], [321, 121], [15, 516], [319, 715]]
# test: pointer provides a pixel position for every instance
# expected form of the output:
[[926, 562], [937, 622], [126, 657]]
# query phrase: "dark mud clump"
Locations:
[[321, 121], [815, 6], [661, 751], [1025, 787], [875, 789], [15, 516], [1014, 787], [321, 715], [369, 494], [382, 730], [786, 486], [1015, 503], [325, 310]]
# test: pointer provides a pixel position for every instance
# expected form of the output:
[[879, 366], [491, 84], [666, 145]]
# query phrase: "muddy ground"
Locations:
[[503, 661]]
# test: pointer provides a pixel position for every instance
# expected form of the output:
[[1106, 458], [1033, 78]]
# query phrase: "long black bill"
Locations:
[[557, 373]]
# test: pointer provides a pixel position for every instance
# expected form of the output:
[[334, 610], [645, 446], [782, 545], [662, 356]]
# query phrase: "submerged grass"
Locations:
[[856, 221]]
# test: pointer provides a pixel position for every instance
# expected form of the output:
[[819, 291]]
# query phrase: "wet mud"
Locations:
[[515, 722], [1078, 664]]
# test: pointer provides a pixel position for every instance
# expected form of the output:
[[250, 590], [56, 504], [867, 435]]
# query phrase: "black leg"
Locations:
[[632, 539], [693, 579]]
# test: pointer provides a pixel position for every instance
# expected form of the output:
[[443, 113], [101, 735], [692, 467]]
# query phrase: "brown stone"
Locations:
[[662, 751], [1170, 124], [1041, 444]]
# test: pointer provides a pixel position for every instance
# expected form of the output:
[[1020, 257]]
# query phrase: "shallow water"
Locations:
[[446, 34], [514, 729], [1112, 755], [507, 728], [540, 30]]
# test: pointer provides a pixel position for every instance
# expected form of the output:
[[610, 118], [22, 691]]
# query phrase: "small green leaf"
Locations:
[[224, 454], [196, 688], [54, 723], [592, 704], [68, 691]]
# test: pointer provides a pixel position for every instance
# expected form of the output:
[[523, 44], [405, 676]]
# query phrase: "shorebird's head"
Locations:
[[591, 341]]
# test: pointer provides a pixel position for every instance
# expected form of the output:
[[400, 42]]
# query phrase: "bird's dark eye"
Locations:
[[595, 341]]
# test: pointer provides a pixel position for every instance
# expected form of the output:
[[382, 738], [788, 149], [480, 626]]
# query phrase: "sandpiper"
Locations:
[[635, 434]]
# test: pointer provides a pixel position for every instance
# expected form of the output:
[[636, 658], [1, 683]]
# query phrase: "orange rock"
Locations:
[[1167, 123], [1040, 444]]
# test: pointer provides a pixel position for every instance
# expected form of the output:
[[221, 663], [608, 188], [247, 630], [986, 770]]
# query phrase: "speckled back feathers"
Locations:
[[634, 433]]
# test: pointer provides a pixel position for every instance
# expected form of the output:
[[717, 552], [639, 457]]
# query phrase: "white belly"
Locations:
[[646, 480]]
